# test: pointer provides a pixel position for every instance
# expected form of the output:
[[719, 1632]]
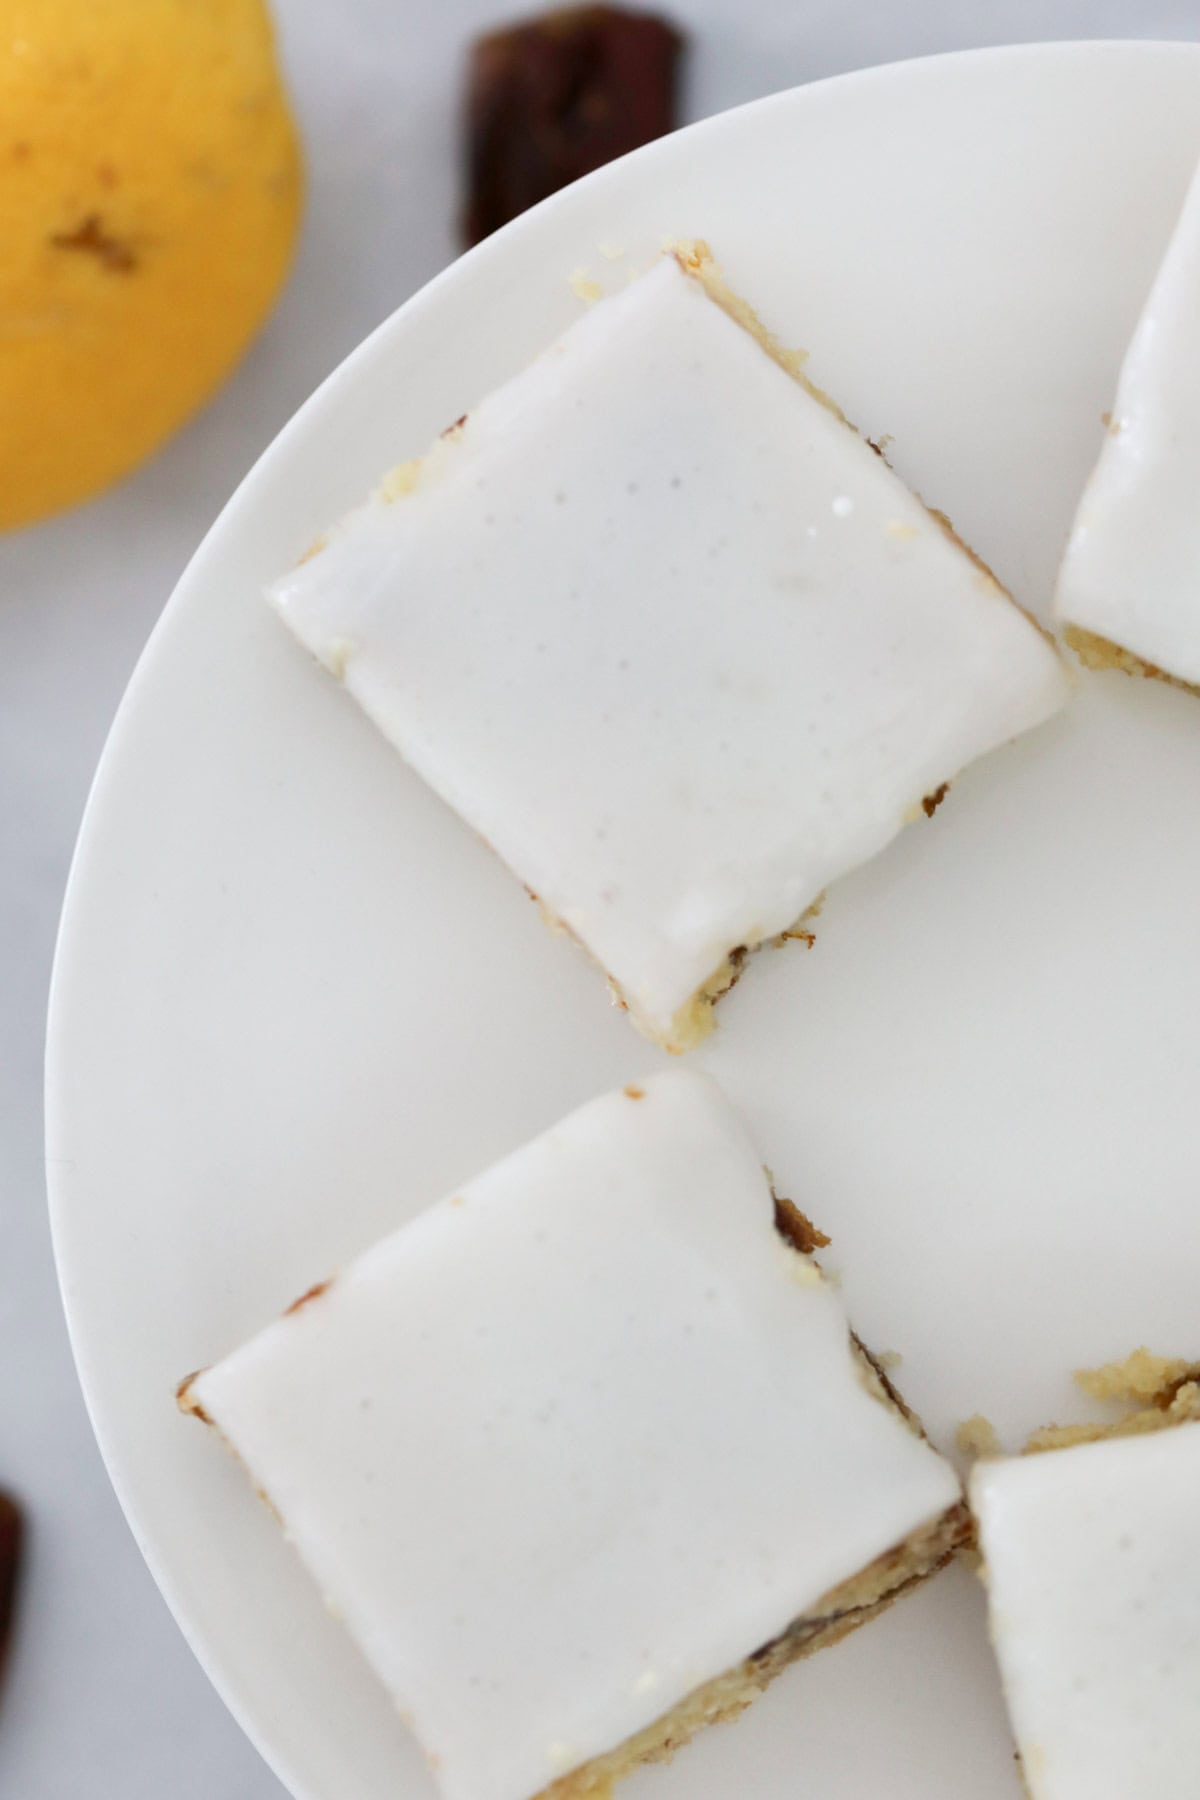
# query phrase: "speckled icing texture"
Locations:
[[1132, 568], [670, 636], [581, 1436], [1094, 1585]]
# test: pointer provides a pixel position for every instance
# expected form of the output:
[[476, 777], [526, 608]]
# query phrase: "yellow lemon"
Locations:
[[150, 190]]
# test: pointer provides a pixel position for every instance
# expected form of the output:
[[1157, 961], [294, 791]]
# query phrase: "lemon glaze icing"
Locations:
[[579, 1437], [670, 636], [1094, 1593], [1131, 572]]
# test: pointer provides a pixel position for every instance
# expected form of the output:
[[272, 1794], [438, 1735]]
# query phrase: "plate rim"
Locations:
[[119, 1468]]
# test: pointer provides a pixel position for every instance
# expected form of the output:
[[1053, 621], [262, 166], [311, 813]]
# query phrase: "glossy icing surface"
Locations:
[[1094, 1589], [581, 1436], [670, 636], [1132, 568]]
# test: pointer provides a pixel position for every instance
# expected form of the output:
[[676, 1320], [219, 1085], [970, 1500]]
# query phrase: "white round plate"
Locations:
[[295, 999]]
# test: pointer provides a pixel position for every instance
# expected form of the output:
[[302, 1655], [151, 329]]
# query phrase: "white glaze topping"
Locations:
[[1132, 567], [670, 636], [1094, 1589], [581, 1436]]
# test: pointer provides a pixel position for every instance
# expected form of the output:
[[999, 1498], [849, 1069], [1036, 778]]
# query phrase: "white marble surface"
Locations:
[[104, 1698]]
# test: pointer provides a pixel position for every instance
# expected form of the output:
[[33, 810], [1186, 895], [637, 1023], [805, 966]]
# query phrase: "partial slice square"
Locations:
[[585, 1454], [1094, 1590], [1129, 587], [671, 636]]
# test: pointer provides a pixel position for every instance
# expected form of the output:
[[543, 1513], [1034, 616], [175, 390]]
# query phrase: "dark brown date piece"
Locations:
[[555, 97], [11, 1534]]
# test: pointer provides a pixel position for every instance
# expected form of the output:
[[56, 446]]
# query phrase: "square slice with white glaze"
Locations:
[[586, 1453], [1093, 1582], [1129, 587], [671, 636]]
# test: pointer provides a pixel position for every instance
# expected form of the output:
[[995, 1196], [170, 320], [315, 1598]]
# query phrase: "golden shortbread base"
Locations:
[[1101, 653]]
